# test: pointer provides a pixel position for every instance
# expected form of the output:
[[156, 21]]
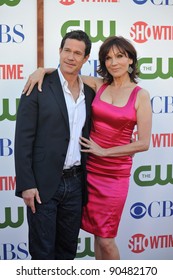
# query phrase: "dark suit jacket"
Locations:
[[42, 136]]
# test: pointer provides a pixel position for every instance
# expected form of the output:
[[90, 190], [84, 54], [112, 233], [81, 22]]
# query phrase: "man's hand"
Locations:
[[29, 197]]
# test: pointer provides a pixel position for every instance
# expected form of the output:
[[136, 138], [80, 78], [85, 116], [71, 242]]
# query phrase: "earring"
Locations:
[[130, 70]]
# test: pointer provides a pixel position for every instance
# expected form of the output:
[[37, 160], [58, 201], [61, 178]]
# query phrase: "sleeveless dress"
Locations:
[[108, 177]]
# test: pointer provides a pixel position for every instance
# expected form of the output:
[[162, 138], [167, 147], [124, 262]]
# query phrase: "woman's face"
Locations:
[[117, 62]]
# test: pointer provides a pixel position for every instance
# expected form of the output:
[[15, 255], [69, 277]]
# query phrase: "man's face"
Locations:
[[72, 56]]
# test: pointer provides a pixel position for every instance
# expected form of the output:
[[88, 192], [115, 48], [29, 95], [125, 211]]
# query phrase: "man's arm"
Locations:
[[26, 126]]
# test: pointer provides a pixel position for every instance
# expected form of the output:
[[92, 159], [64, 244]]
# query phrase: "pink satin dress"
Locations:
[[108, 177]]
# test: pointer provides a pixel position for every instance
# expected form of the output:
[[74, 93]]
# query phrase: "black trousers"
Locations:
[[54, 228]]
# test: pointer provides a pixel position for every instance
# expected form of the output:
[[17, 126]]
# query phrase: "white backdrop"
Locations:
[[146, 228]]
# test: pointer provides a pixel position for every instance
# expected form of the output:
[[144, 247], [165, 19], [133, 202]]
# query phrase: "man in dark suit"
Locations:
[[50, 169]]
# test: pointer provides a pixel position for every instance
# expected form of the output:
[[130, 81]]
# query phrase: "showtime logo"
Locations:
[[67, 2], [141, 32], [11, 72], [162, 140], [7, 183], [139, 242], [71, 2], [159, 140]]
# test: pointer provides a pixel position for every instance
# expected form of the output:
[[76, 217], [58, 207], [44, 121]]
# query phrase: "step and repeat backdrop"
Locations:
[[146, 228]]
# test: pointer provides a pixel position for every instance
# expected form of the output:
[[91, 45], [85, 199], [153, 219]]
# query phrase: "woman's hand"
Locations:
[[91, 147], [36, 77]]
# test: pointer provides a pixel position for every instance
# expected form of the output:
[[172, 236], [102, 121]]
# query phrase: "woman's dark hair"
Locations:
[[125, 47], [80, 36]]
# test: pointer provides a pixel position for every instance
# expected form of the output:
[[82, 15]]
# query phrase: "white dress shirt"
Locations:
[[77, 115]]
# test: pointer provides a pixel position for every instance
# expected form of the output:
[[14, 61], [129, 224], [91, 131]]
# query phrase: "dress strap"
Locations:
[[101, 89], [133, 94]]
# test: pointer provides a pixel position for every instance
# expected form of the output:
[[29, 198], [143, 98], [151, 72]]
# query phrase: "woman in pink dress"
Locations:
[[118, 107]]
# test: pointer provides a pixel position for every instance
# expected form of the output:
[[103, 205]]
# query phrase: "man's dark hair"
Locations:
[[80, 36]]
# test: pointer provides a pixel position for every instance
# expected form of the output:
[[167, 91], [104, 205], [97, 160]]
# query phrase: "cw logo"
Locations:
[[8, 220], [155, 67], [143, 175], [87, 250], [88, 26], [6, 111], [10, 3]]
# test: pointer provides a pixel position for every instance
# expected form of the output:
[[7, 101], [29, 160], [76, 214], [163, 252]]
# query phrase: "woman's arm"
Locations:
[[144, 124], [93, 82], [36, 77]]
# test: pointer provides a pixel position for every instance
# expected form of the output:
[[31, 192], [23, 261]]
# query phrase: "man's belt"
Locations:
[[70, 172]]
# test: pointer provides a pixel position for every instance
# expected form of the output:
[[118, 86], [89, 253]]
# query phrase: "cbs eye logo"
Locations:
[[140, 2], [9, 3], [138, 210]]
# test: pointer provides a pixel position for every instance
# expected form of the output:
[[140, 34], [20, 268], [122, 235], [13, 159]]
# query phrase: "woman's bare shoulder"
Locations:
[[143, 93], [93, 82]]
